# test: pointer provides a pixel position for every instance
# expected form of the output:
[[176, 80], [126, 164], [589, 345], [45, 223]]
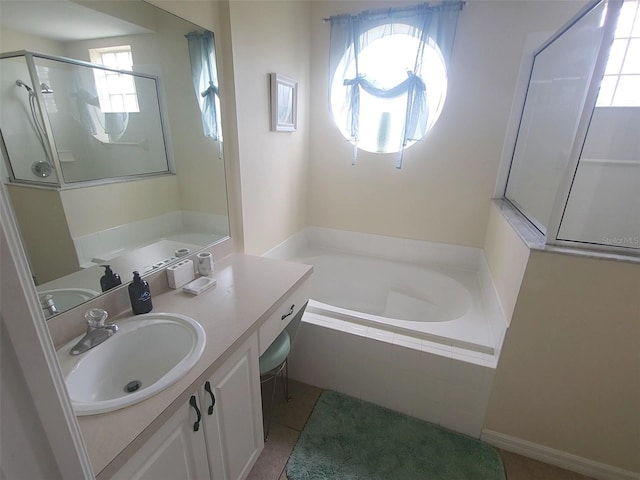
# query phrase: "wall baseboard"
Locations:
[[568, 461]]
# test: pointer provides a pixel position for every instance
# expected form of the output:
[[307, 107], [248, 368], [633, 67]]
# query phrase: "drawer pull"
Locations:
[[290, 312], [207, 388], [194, 404]]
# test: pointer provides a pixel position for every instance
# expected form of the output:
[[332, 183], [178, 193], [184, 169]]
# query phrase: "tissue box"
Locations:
[[180, 273]]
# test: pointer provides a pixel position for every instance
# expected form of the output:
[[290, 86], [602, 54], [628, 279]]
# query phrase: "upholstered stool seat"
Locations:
[[273, 362], [276, 354]]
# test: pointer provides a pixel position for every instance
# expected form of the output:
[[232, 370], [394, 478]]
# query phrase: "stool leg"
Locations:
[[287, 397], [271, 405]]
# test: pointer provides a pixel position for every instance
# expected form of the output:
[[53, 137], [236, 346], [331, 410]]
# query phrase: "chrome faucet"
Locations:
[[97, 331], [48, 306]]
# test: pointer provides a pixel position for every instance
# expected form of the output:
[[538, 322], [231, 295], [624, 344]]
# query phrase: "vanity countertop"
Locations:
[[248, 291]]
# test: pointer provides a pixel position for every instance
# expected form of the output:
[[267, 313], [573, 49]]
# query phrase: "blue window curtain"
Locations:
[[351, 34], [202, 54]]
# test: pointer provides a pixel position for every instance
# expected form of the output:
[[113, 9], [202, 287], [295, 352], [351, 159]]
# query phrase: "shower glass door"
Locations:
[[575, 171], [24, 138], [603, 208], [604, 205], [558, 87], [68, 122], [95, 138]]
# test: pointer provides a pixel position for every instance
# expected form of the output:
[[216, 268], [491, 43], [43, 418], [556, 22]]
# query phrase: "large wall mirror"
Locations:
[[107, 158]]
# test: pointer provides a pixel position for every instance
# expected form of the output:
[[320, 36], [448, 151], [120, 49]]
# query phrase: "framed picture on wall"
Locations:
[[284, 103]]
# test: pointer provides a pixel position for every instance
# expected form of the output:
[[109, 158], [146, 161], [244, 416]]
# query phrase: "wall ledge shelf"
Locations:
[[535, 240]]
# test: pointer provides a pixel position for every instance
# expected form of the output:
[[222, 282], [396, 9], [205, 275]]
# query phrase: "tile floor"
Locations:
[[290, 417]]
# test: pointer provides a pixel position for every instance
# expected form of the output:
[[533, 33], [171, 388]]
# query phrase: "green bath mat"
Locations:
[[349, 439]]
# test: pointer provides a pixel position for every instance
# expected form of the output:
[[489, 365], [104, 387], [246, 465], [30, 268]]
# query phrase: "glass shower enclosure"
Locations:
[[575, 169], [66, 123]]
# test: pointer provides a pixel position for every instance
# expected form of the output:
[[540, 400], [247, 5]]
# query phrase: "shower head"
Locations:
[[44, 88], [20, 83]]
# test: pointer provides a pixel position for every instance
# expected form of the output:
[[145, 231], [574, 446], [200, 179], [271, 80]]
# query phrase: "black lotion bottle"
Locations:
[[140, 295], [109, 279]]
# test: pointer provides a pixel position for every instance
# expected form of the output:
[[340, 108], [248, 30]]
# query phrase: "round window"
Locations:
[[385, 62]]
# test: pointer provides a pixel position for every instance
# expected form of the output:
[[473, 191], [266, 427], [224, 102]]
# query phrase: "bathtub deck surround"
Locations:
[[435, 360], [248, 293]]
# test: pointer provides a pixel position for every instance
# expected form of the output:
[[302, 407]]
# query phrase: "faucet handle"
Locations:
[[48, 306], [46, 301], [96, 317]]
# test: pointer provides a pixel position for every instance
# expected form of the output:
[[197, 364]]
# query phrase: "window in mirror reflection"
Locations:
[[116, 91]]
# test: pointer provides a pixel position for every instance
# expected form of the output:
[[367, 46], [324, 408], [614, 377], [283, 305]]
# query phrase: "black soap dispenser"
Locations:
[[109, 279], [140, 295]]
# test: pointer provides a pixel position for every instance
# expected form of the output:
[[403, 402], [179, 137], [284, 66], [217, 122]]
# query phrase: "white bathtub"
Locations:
[[412, 326], [440, 293]]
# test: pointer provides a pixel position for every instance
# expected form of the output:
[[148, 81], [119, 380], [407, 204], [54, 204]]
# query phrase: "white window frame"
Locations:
[[376, 32], [627, 59], [106, 78]]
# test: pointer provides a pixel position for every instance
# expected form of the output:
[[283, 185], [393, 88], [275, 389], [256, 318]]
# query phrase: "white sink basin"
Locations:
[[146, 355], [66, 298]]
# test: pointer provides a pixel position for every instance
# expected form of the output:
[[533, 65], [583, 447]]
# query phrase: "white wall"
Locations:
[[118, 203], [269, 37], [569, 372], [507, 257], [39, 432], [44, 231], [25, 452], [443, 191], [11, 40]]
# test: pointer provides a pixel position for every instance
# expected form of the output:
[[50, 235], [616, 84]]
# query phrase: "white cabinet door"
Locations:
[[175, 452], [232, 414]]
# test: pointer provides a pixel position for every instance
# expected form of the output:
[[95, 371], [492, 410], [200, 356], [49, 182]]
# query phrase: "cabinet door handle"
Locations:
[[290, 312], [207, 388], [194, 404]]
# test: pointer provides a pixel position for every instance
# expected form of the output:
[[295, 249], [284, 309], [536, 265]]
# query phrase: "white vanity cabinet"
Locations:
[[232, 414], [288, 309], [229, 436], [175, 452]]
